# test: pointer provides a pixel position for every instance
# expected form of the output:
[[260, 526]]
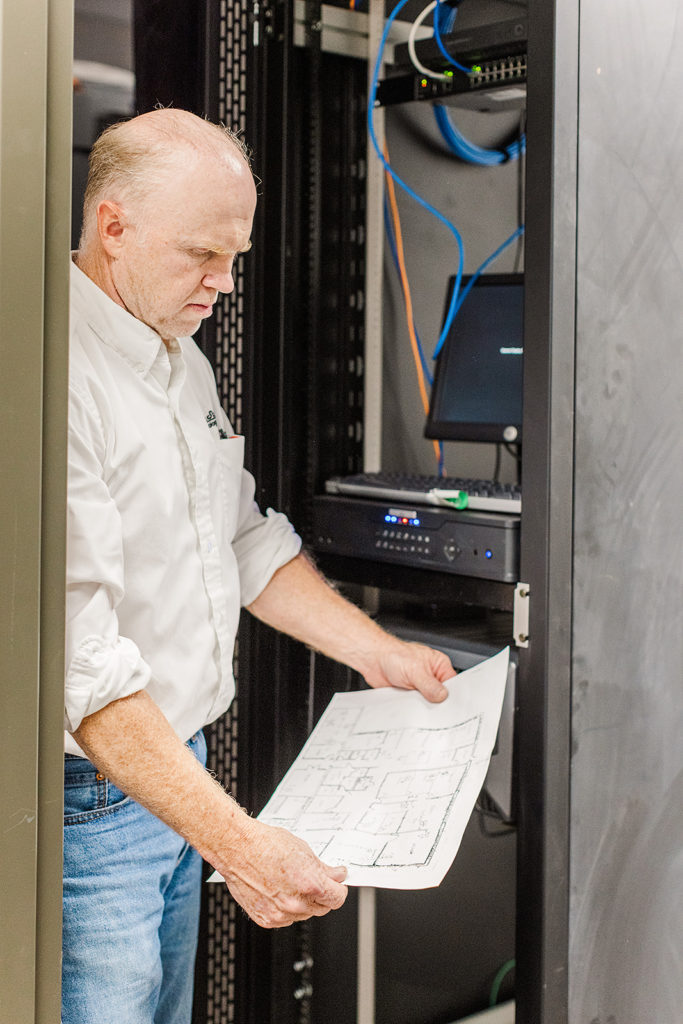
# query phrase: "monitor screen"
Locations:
[[477, 392]]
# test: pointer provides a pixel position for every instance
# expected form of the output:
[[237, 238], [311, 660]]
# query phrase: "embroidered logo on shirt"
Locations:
[[213, 422]]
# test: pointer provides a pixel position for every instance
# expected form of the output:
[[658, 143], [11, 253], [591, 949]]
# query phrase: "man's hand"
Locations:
[[280, 880], [411, 666], [300, 602]]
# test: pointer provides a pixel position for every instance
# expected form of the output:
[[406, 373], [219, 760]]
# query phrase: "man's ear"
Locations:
[[111, 227]]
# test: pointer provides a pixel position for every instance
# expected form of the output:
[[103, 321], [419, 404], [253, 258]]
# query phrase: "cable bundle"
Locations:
[[465, 150]]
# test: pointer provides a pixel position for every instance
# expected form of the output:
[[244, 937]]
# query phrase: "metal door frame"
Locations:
[[36, 49], [544, 688]]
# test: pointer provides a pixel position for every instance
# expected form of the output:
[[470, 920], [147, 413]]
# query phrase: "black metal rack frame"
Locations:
[[288, 348]]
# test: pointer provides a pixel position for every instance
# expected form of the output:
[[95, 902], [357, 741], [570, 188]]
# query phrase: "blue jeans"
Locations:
[[131, 906]]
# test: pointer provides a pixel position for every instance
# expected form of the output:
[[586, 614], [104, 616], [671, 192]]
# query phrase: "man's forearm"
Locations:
[[274, 876], [300, 602], [132, 743]]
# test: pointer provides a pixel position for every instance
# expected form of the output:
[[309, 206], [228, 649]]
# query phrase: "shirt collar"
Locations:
[[135, 342]]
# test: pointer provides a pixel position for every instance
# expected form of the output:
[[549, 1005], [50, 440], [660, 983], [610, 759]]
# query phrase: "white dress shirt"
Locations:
[[165, 542]]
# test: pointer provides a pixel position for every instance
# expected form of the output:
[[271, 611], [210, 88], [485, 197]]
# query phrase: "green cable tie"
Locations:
[[461, 500]]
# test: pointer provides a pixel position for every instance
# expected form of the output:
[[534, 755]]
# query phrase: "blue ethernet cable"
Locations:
[[456, 141], [439, 41], [489, 259], [456, 299], [470, 151], [406, 188], [446, 15]]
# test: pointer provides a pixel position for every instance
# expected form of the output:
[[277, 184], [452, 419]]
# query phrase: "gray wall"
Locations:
[[626, 961]]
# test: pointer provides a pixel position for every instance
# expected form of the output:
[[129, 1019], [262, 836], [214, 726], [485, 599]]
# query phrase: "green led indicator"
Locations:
[[476, 68], [423, 83], [448, 74]]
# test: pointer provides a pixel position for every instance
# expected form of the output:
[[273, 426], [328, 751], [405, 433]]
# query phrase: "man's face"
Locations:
[[173, 263]]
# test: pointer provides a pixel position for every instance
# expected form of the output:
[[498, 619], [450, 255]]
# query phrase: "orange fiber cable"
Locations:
[[406, 295]]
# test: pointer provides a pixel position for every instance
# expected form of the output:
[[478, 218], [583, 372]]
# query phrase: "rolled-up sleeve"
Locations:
[[262, 543], [101, 666], [268, 543]]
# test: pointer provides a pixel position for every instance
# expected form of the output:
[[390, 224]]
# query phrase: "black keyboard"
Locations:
[[458, 492]]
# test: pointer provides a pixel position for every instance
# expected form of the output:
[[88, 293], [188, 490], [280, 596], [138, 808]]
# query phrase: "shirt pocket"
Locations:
[[230, 459]]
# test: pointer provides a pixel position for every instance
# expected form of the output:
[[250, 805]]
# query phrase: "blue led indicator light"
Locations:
[[488, 553]]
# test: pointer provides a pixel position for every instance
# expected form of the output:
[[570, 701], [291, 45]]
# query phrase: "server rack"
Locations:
[[288, 349], [302, 415], [302, 362]]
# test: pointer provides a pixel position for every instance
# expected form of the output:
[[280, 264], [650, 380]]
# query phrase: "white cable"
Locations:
[[411, 45]]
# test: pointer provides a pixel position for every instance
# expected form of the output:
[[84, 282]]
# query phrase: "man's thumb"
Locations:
[[337, 873]]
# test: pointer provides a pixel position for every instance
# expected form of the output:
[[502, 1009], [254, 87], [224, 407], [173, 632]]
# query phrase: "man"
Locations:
[[165, 545]]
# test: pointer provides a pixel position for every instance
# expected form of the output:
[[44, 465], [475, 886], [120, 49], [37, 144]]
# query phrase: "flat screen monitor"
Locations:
[[477, 391]]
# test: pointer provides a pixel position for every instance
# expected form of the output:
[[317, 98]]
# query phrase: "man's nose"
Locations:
[[220, 278]]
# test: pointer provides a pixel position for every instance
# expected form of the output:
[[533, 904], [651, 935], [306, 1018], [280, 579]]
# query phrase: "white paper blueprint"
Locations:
[[386, 782]]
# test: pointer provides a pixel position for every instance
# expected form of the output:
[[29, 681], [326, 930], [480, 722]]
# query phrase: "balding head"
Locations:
[[134, 161], [169, 207]]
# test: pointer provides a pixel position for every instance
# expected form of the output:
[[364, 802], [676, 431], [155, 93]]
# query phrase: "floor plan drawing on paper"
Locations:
[[409, 807], [386, 782]]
